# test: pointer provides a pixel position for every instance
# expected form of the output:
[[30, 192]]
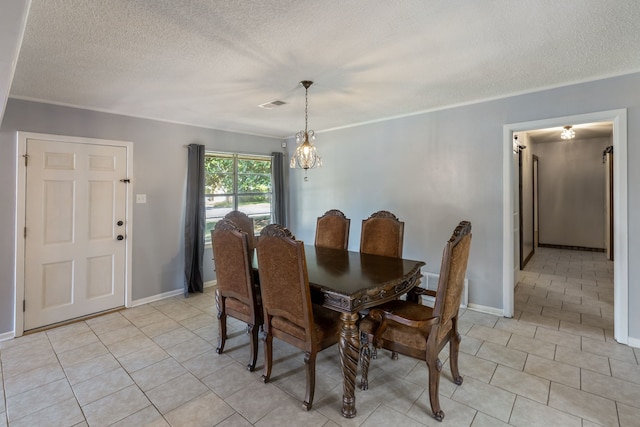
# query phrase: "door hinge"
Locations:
[[24, 305], [25, 232], [26, 159], [126, 180]]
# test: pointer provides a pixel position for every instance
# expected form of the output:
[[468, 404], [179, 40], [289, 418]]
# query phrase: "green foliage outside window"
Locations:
[[236, 182]]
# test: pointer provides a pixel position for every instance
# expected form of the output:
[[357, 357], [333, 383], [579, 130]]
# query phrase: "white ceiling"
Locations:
[[211, 63]]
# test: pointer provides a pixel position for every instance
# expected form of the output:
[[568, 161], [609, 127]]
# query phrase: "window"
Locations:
[[237, 182]]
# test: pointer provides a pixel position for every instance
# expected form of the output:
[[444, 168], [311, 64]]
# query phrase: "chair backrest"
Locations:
[[232, 260], [452, 272], [244, 223], [382, 234], [284, 283], [332, 230]]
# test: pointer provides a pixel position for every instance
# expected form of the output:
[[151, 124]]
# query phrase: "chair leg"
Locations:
[[253, 334], [435, 366], [365, 358], [222, 323], [310, 362], [454, 347], [268, 356]]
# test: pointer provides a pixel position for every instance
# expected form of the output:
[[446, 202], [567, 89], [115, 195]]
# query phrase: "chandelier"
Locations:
[[305, 156], [567, 133]]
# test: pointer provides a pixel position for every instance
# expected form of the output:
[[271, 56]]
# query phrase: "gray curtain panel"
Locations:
[[194, 221], [279, 202]]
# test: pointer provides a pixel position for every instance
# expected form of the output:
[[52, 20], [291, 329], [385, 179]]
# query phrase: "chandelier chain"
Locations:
[[305, 156], [306, 108]]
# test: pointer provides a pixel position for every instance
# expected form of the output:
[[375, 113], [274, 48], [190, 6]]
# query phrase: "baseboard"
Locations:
[[486, 309], [10, 335], [633, 342], [158, 297], [7, 336], [571, 248], [169, 294]]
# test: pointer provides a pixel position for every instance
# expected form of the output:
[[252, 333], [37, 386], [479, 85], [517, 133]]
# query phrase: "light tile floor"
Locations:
[[554, 364]]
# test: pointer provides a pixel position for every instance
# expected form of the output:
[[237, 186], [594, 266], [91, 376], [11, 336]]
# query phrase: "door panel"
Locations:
[[74, 264]]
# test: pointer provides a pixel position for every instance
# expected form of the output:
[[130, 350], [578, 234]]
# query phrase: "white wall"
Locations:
[[571, 183], [159, 172], [437, 168]]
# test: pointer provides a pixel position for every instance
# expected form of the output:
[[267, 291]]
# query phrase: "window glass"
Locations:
[[237, 182]]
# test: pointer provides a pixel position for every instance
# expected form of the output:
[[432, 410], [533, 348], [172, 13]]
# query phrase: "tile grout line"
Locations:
[[4, 391]]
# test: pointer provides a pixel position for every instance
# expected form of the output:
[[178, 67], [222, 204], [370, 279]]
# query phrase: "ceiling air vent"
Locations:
[[272, 104]]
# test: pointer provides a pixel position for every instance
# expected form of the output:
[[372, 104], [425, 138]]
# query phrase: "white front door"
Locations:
[[75, 226]]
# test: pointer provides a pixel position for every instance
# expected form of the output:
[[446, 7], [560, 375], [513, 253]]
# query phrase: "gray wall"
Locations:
[[437, 168], [159, 172], [572, 200], [432, 170]]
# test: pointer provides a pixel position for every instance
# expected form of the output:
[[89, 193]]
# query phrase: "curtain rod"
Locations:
[[231, 153]]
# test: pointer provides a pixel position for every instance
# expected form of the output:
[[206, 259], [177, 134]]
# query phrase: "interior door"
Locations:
[[608, 227], [75, 255], [536, 213]]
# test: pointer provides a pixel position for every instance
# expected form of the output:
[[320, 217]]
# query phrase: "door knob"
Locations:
[[120, 237], [120, 223]]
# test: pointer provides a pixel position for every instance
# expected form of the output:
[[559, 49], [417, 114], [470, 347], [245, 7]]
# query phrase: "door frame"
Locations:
[[21, 177], [536, 203], [620, 220]]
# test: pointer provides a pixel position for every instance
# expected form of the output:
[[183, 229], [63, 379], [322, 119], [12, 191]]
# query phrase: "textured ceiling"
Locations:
[[211, 63]]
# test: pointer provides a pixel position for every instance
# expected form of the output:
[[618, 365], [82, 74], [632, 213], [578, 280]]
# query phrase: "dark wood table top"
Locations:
[[351, 281]]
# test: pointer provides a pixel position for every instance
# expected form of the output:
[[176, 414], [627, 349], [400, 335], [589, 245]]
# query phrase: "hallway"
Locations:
[[571, 290]]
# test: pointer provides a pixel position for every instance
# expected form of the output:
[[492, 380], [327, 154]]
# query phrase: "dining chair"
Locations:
[[332, 230], [288, 312], [418, 330], [382, 234], [244, 223], [237, 294]]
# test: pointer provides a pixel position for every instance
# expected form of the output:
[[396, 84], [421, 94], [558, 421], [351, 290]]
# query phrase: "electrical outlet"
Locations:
[[141, 198]]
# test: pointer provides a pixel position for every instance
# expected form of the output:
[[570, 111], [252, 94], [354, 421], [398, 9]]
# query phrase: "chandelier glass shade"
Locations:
[[305, 156], [567, 133]]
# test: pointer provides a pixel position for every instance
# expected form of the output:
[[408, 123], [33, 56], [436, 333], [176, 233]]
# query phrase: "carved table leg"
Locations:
[[349, 354]]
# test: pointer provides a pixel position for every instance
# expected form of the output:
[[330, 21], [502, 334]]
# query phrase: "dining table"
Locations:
[[350, 282]]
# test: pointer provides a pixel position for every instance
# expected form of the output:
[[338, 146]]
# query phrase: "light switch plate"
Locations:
[[141, 198]]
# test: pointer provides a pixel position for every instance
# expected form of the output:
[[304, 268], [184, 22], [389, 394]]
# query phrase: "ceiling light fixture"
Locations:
[[305, 156], [567, 133]]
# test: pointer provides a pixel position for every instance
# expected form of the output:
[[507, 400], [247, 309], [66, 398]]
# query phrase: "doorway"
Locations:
[[73, 257], [620, 220]]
